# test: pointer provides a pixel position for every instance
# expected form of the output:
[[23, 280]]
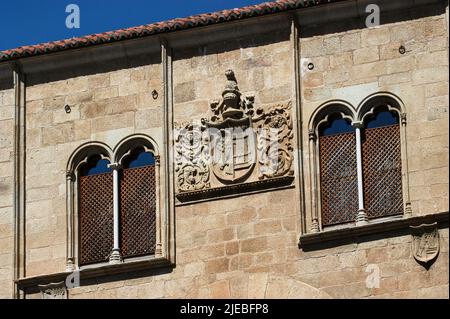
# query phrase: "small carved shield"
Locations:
[[425, 244]]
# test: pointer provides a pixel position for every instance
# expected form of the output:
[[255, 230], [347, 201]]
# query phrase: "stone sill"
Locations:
[[353, 232], [96, 271]]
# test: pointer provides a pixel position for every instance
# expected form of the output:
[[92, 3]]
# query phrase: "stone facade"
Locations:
[[245, 246]]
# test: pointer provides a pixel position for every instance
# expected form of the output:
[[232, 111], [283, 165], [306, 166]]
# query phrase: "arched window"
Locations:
[[338, 179], [95, 210], [382, 163], [358, 162], [113, 204], [138, 204]]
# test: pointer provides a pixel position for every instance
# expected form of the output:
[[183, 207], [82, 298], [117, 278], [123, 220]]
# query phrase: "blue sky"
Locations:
[[34, 21]]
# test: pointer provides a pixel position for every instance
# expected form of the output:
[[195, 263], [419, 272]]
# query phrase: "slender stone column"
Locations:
[[314, 198], [158, 248], [405, 169], [115, 257], [70, 265], [361, 217]]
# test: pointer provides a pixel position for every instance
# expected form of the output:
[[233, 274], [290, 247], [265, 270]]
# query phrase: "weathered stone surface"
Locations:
[[245, 246]]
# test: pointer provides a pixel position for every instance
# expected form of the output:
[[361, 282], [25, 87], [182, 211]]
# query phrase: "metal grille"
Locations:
[[138, 211], [338, 179], [95, 218], [382, 171]]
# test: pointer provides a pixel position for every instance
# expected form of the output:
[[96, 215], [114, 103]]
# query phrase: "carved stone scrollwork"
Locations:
[[54, 291], [191, 159], [227, 147], [275, 141]]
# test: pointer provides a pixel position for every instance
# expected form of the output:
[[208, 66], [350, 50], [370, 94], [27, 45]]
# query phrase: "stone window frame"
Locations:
[[356, 116], [115, 157]]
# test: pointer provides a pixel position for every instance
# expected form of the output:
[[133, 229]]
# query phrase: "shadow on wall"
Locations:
[[3, 187]]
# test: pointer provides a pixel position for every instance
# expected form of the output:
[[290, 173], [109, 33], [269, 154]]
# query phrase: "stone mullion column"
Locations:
[[158, 248], [361, 217], [70, 264], [115, 257], [313, 181]]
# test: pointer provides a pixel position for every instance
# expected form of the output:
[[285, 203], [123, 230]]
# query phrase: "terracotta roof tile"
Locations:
[[160, 27]]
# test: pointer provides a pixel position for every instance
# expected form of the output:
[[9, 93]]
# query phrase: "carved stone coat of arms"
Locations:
[[236, 144], [425, 244]]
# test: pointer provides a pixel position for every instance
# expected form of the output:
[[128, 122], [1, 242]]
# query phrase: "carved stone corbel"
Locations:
[[54, 290]]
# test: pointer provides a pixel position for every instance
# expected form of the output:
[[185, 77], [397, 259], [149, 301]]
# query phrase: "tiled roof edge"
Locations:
[[160, 27]]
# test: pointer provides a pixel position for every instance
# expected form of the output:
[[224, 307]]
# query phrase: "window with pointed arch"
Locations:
[[138, 203], [113, 203], [358, 163], [382, 163], [338, 178], [95, 218]]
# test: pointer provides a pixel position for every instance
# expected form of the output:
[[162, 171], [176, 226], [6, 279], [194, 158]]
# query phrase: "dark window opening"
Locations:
[[95, 188], [138, 204], [338, 178]]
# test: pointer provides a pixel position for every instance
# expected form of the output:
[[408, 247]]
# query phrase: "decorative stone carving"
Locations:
[[232, 105], [275, 141], [425, 243], [191, 159], [54, 291], [232, 143], [230, 130]]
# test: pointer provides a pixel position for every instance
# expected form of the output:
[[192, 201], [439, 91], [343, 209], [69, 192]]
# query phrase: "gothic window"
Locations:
[[138, 204], [113, 204], [95, 210], [338, 183], [382, 166], [358, 166]]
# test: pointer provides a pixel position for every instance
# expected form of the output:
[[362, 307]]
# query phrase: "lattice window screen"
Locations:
[[95, 218], [382, 171], [138, 211], [338, 179]]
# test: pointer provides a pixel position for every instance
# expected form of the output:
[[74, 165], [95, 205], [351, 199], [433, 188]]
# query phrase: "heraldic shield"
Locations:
[[233, 150], [425, 244]]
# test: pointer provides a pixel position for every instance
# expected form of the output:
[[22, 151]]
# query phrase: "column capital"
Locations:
[[70, 176], [403, 118], [115, 166], [358, 124], [312, 135], [157, 159]]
